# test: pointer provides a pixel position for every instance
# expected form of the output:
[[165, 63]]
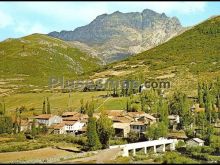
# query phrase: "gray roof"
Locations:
[[198, 140]]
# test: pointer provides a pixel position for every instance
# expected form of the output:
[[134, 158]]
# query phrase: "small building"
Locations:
[[138, 126], [115, 113], [48, 119], [174, 120], [69, 114], [121, 129], [195, 142], [122, 119], [73, 126], [58, 128]]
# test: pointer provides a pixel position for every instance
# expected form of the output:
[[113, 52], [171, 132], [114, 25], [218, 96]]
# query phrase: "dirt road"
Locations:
[[103, 156]]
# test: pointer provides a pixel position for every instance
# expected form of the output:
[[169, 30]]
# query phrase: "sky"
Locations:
[[19, 19]]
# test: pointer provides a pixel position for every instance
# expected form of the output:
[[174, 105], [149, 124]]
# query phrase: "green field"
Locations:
[[62, 101]]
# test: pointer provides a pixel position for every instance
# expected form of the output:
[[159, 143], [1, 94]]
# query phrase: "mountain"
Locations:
[[118, 35], [31, 60], [183, 60]]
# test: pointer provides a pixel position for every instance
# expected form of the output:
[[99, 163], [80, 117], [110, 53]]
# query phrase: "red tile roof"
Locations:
[[44, 116], [69, 114], [138, 123]]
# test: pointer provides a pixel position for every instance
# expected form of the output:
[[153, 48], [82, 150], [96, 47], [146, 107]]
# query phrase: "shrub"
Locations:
[[207, 149]]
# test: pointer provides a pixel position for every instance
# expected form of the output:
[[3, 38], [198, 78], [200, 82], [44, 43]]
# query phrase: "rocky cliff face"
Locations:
[[118, 35]]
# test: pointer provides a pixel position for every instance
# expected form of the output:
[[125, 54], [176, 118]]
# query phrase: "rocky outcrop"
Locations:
[[118, 35]]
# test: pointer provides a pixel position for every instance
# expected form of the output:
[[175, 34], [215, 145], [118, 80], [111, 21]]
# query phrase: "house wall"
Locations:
[[193, 143], [75, 127], [138, 128], [52, 120]]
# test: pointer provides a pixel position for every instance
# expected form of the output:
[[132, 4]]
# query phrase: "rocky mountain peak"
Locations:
[[118, 35]]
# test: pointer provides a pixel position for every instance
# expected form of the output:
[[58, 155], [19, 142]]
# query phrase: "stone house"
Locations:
[[195, 142]]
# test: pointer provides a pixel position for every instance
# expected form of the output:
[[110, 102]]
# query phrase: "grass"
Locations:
[[193, 56], [37, 57], [62, 102]]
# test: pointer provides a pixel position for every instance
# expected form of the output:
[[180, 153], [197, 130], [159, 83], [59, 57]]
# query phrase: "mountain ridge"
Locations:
[[119, 35]]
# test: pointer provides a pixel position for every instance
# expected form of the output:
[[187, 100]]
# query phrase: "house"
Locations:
[[48, 119], [73, 126], [138, 126], [58, 128], [122, 119], [121, 129], [195, 142], [74, 116], [147, 118], [180, 135], [143, 117], [174, 120], [69, 114], [115, 113], [25, 125], [82, 130]]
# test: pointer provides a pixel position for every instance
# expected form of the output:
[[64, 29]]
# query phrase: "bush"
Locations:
[[196, 149], [207, 149], [132, 137], [21, 146], [176, 158], [118, 141], [180, 144]]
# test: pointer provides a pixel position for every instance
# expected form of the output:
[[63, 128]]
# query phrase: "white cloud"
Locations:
[[67, 11], [5, 19]]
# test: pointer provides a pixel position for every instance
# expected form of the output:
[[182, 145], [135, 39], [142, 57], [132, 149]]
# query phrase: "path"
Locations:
[[102, 103], [103, 156]]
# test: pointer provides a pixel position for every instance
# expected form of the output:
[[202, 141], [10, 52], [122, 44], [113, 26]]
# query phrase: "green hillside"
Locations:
[[197, 48], [31, 60], [194, 55]]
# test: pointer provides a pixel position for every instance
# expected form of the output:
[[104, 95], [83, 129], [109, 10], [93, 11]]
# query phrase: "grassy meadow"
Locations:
[[61, 101]]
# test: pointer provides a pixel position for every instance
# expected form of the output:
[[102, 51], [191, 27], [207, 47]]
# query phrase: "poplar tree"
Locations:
[[93, 139], [200, 95], [105, 130], [44, 107], [48, 106]]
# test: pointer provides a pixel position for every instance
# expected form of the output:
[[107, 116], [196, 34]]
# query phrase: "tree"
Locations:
[[19, 111], [6, 124], [33, 129], [105, 130], [175, 104], [90, 109], [208, 105], [133, 137], [200, 95], [48, 106], [92, 136], [156, 131], [1, 109], [187, 118], [128, 105], [82, 108], [44, 107], [164, 111], [218, 105]]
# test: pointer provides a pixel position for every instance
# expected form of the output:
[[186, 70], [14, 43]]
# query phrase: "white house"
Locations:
[[73, 126], [195, 142], [48, 119], [59, 128]]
